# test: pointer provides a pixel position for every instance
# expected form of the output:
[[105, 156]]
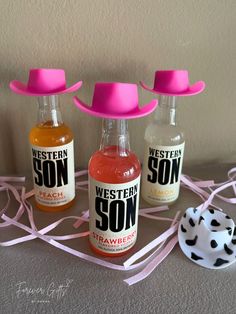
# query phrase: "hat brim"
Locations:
[[22, 89], [194, 89], [195, 254], [137, 113]]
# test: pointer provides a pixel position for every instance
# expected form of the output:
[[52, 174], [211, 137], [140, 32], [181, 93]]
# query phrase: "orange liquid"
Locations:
[[109, 166], [47, 135]]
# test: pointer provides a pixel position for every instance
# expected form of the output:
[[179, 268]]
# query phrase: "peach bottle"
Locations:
[[52, 158], [114, 177]]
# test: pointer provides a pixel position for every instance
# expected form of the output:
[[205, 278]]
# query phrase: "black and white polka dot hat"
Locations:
[[208, 238]]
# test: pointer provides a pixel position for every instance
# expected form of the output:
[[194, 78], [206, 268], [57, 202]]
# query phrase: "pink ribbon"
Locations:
[[208, 202], [161, 246]]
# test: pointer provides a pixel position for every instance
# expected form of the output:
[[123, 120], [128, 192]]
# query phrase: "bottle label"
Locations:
[[161, 173], [113, 214], [53, 174]]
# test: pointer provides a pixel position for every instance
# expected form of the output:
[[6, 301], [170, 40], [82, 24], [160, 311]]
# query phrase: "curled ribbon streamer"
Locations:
[[79, 222], [232, 170], [215, 193], [226, 199], [153, 209], [195, 186], [51, 239], [232, 176], [18, 187], [29, 194], [150, 262], [67, 249], [155, 217], [151, 245], [12, 179], [3, 210], [17, 196], [153, 264], [81, 188], [81, 173], [82, 183], [46, 230], [205, 184], [29, 209], [157, 258], [189, 183], [63, 247]]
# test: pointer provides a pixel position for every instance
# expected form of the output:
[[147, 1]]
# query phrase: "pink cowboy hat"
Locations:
[[44, 82], [116, 101], [174, 83]]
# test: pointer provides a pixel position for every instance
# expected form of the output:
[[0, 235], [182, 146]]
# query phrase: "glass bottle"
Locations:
[[163, 157], [52, 157], [114, 176]]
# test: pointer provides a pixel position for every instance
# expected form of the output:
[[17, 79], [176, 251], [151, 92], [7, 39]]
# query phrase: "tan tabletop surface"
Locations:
[[176, 286]]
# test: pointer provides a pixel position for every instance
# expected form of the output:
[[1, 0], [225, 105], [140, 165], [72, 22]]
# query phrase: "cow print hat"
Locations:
[[208, 238]]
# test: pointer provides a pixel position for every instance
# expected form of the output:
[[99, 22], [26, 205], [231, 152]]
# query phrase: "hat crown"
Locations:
[[171, 81], [214, 227], [46, 80], [115, 98]]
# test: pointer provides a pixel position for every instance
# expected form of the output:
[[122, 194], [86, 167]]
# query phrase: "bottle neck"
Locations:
[[166, 110], [115, 137], [49, 113]]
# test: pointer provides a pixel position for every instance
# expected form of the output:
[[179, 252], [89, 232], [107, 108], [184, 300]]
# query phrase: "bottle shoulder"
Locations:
[[114, 168], [162, 134], [47, 136]]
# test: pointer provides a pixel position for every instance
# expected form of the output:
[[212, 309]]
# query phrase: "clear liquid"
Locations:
[[163, 131]]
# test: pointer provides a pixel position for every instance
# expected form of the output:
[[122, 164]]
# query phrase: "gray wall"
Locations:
[[117, 40]]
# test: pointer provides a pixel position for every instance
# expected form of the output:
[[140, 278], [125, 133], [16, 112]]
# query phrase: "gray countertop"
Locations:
[[176, 286]]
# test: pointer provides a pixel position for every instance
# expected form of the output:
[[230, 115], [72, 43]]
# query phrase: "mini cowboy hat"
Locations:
[[44, 82], [115, 101], [174, 83], [208, 238]]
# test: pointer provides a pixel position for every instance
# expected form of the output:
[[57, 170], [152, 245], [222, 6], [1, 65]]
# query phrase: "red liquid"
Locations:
[[109, 166]]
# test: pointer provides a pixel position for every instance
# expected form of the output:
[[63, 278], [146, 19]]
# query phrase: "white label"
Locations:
[[162, 168], [53, 174], [113, 215]]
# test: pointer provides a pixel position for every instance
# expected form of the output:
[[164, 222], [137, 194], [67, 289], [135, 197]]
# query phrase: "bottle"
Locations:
[[164, 139], [51, 140], [163, 156], [114, 177], [114, 170], [52, 154]]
